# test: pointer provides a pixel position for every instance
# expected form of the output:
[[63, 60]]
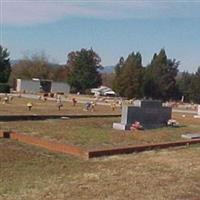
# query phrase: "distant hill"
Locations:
[[53, 65], [108, 69]]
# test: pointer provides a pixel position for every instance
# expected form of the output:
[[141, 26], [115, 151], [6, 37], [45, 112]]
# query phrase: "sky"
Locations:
[[111, 28]]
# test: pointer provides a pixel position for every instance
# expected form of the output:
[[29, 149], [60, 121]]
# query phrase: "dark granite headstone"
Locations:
[[149, 113]]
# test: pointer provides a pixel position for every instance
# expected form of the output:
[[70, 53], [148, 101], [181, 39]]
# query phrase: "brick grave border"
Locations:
[[87, 154], [45, 143]]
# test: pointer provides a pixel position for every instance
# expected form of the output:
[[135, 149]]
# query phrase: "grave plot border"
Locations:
[[87, 154], [44, 143], [45, 117]]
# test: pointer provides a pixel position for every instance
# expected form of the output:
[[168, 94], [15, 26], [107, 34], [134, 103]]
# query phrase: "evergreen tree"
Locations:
[[84, 68], [116, 81], [5, 67], [160, 77], [129, 76], [184, 82], [195, 87]]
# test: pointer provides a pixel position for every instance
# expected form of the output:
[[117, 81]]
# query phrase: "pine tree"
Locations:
[[116, 82], [184, 82], [160, 77], [5, 67], [195, 87], [129, 76]]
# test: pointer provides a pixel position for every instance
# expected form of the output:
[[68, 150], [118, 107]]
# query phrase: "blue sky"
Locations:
[[112, 28]]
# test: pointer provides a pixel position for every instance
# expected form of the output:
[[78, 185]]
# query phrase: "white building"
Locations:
[[36, 85], [28, 86], [103, 91]]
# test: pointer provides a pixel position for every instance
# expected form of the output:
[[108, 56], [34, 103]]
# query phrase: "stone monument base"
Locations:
[[120, 126]]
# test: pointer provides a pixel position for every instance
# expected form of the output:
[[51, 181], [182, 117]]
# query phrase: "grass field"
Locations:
[[96, 133], [32, 173], [29, 172]]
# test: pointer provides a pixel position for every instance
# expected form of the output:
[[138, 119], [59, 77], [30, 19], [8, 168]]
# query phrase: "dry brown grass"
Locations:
[[98, 132], [32, 173], [28, 172]]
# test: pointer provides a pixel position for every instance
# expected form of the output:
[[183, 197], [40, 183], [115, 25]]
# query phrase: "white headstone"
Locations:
[[137, 103], [198, 110]]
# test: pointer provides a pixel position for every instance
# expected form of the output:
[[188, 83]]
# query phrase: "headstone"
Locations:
[[198, 112], [191, 135], [150, 114], [137, 103]]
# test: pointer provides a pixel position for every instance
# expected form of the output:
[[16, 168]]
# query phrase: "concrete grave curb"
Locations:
[[45, 117]]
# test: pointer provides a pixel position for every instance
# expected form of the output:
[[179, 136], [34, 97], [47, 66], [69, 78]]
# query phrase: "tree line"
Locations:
[[160, 79], [156, 81]]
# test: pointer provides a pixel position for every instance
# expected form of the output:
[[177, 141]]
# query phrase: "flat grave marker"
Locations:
[[191, 135]]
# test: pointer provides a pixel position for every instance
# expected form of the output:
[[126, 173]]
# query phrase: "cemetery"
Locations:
[[97, 133], [99, 100], [92, 130], [22, 159], [49, 107]]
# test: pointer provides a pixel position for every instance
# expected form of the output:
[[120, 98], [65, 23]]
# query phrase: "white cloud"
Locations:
[[28, 12]]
